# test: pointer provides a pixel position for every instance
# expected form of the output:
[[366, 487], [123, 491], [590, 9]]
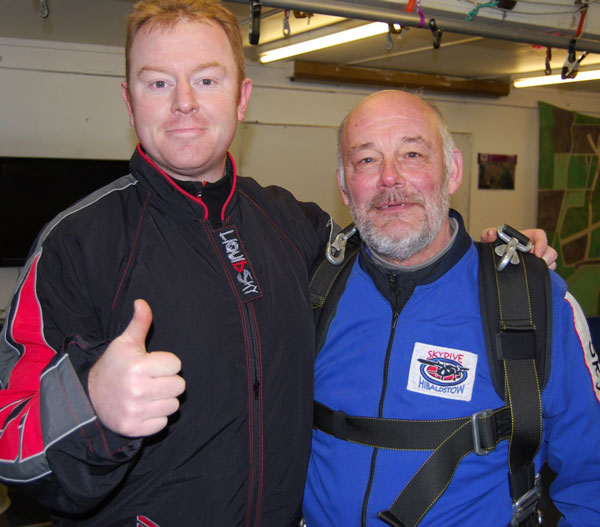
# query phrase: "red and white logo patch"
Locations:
[[243, 276], [442, 372]]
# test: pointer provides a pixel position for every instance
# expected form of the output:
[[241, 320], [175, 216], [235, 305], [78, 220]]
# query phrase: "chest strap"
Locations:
[[449, 440]]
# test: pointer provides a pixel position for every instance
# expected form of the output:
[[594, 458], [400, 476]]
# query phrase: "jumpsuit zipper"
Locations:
[[398, 306], [256, 475]]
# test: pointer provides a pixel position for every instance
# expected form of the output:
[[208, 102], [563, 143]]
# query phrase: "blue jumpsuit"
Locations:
[[363, 364]]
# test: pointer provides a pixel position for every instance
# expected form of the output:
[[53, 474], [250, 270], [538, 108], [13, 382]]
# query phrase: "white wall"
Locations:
[[65, 102], [508, 125]]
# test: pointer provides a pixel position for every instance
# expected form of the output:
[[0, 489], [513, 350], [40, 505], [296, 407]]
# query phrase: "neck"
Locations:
[[435, 250], [211, 176]]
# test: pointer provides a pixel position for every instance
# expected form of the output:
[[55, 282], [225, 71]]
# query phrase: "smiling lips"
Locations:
[[186, 130], [385, 206], [187, 126], [384, 202]]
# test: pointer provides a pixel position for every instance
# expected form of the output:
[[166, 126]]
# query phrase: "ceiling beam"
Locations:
[[510, 31], [316, 71]]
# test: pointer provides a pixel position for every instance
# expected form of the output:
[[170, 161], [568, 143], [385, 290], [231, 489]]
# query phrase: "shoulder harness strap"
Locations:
[[516, 306], [329, 278], [516, 313]]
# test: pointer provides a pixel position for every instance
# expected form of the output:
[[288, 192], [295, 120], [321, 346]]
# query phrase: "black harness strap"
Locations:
[[325, 277], [416, 434], [450, 440], [329, 280], [516, 346]]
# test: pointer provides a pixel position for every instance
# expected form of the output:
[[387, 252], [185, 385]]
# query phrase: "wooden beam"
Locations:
[[317, 71]]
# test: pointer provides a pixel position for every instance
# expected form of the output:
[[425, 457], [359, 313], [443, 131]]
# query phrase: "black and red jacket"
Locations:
[[232, 303]]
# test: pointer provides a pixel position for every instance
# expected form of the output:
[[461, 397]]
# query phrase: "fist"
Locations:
[[133, 392]]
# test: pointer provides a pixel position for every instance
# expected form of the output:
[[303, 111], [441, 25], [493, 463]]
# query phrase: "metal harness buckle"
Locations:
[[527, 505], [335, 250], [475, 429], [514, 241]]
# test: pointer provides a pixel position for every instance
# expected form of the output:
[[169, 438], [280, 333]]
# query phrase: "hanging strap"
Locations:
[[517, 346], [329, 280]]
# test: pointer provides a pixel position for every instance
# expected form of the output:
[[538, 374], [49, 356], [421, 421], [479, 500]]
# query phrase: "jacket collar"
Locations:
[[408, 279], [170, 194]]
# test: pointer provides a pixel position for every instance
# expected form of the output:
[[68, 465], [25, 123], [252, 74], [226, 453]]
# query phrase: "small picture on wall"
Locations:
[[496, 171]]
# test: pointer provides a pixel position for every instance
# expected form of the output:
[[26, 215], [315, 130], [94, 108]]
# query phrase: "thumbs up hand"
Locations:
[[134, 391]]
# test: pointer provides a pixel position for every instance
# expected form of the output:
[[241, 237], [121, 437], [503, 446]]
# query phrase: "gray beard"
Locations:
[[400, 246]]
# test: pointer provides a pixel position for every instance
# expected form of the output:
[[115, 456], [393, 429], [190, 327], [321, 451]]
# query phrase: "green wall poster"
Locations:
[[569, 198]]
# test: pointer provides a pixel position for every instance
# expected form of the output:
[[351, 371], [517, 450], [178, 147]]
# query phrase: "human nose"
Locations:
[[391, 174], [185, 99]]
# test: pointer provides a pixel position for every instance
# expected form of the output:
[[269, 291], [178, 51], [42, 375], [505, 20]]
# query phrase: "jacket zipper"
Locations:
[[397, 309], [256, 474]]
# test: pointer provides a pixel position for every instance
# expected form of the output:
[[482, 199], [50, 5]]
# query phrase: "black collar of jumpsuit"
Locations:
[[398, 282], [212, 194]]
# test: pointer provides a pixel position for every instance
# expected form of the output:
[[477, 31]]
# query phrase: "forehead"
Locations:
[[184, 38], [391, 117]]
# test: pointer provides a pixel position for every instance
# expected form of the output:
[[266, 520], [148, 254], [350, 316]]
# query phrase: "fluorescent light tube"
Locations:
[[349, 35], [544, 80]]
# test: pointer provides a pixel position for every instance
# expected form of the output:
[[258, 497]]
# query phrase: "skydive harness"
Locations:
[[516, 316]]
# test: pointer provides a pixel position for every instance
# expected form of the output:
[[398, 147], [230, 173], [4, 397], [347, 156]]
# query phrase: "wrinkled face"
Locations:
[[396, 185], [184, 98]]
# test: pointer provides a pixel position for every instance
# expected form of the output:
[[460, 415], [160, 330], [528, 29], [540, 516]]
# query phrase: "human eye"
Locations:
[[360, 162], [155, 83], [364, 162], [205, 81]]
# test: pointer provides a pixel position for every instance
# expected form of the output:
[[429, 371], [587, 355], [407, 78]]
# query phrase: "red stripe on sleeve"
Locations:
[[26, 335]]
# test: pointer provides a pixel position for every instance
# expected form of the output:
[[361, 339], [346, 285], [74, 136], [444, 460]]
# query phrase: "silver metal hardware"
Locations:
[[335, 251], [527, 504], [475, 429], [508, 252]]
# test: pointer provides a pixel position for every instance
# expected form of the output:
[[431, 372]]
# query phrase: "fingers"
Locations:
[[149, 427], [163, 388], [161, 364], [550, 256], [540, 248], [142, 415], [539, 241], [132, 391], [489, 234]]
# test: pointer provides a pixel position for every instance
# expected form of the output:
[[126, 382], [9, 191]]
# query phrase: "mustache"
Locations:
[[395, 197]]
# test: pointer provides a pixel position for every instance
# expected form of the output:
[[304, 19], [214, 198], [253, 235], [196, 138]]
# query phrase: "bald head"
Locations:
[[383, 102], [398, 167]]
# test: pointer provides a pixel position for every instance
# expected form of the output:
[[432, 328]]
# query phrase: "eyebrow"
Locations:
[[360, 147], [418, 140], [199, 67], [406, 140]]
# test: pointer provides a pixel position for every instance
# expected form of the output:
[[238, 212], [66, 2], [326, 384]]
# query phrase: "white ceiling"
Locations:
[[102, 22]]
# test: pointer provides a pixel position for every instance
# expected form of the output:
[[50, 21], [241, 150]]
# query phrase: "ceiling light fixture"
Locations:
[[543, 80], [349, 35]]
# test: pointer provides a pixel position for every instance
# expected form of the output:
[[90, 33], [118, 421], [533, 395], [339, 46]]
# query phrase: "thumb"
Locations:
[[137, 330]]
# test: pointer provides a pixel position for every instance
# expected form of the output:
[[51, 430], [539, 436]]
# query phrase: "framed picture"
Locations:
[[496, 171]]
